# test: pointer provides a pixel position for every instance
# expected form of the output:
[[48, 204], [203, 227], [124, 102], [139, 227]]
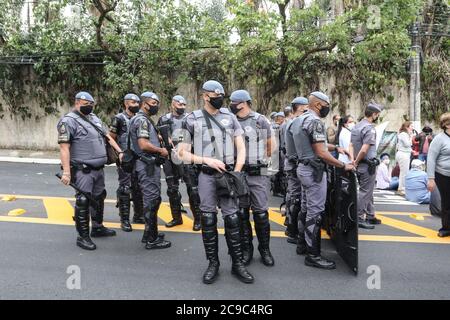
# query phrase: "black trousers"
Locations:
[[443, 183]]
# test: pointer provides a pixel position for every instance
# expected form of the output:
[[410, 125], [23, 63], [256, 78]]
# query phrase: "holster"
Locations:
[[318, 168], [372, 165], [150, 164]]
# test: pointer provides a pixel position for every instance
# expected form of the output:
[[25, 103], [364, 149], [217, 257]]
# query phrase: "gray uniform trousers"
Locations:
[[365, 206], [313, 200], [209, 199], [150, 185]]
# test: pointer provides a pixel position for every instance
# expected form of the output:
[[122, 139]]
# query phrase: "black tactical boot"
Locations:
[[210, 238], [151, 225], [262, 228], [364, 225], [82, 223], [123, 202], [301, 242], [175, 208], [313, 257], [98, 230], [138, 207], [292, 226], [194, 203], [233, 237], [246, 236], [373, 220]]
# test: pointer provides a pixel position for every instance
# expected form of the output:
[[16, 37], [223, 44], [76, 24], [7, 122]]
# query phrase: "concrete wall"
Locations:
[[39, 132]]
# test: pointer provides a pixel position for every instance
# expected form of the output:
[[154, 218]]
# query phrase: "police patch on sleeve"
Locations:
[[318, 132], [143, 130], [63, 133]]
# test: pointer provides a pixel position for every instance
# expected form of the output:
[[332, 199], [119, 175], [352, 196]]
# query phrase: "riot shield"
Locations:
[[341, 222]]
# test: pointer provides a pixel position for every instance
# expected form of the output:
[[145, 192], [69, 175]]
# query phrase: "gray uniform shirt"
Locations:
[[256, 132], [438, 159], [291, 154], [307, 130], [364, 133], [201, 138], [119, 126], [87, 146], [142, 127], [176, 125]]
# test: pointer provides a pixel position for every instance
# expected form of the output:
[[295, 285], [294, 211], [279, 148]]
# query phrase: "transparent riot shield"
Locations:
[[341, 221]]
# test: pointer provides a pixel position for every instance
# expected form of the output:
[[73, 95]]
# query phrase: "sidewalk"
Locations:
[[29, 156]]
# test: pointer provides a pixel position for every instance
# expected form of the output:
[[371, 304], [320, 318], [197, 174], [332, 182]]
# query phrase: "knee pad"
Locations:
[[209, 219], [260, 216], [232, 221], [81, 201], [193, 194], [173, 193], [124, 189]]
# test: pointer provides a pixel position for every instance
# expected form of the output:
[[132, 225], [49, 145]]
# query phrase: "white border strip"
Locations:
[[30, 160]]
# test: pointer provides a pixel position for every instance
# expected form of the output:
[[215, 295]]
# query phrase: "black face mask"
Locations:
[[180, 111], [324, 111], [152, 110], [216, 102], [234, 108], [134, 109], [87, 109]]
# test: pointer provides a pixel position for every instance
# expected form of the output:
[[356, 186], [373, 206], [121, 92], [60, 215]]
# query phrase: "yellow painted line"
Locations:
[[417, 217], [8, 198], [408, 227], [276, 217], [276, 234], [16, 212], [58, 209], [394, 213]]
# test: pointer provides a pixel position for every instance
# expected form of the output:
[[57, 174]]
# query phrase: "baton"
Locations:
[[92, 201]]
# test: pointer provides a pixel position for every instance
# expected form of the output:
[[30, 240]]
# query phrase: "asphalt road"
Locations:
[[35, 257]]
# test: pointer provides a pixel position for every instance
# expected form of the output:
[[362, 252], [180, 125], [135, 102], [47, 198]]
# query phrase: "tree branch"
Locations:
[[104, 9]]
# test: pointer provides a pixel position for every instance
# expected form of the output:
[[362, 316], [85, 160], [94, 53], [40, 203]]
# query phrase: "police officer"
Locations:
[[312, 150], [363, 142], [150, 156], [218, 146], [258, 146], [294, 187], [83, 156], [127, 181], [277, 180], [174, 171]]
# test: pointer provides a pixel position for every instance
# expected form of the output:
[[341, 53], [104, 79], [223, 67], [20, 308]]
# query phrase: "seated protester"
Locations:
[[416, 181], [384, 179]]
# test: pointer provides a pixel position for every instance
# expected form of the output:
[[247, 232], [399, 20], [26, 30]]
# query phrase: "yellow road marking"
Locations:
[[408, 227], [276, 217], [276, 234], [16, 212], [58, 209], [417, 217], [8, 198]]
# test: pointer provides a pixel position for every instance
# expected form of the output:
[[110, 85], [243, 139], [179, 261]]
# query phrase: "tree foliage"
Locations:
[[112, 47]]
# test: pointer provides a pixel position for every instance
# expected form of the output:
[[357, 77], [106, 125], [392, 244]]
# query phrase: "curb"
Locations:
[[30, 160]]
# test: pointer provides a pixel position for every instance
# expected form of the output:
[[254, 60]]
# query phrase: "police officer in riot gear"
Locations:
[[258, 146], [313, 154], [218, 146], [294, 187], [127, 182], [174, 171], [83, 156], [277, 180], [363, 142], [150, 156]]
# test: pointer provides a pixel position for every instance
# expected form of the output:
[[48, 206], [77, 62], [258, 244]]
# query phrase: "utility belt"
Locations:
[[372, 165], [151, 162], [318, 166], [210, 171], [86, 168], [253, 169]]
